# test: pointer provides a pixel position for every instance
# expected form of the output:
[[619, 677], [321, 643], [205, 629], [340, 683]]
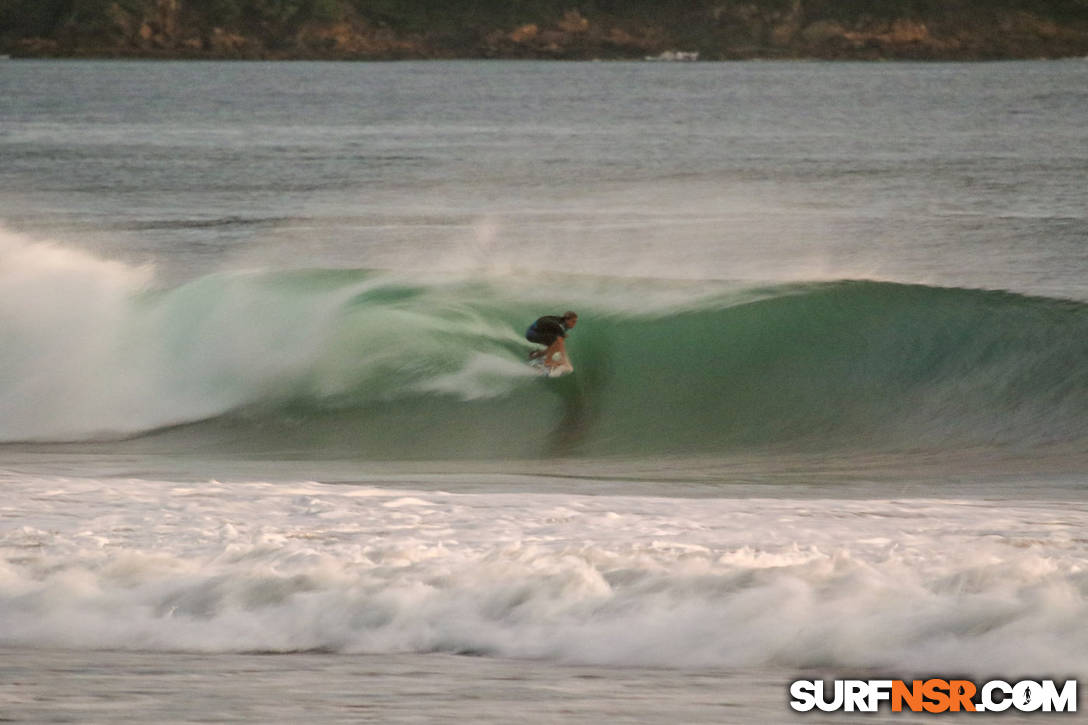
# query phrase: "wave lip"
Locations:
[[389, 366], [846, 365]]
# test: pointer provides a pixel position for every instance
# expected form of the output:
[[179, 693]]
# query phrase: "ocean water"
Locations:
[[269, 449]]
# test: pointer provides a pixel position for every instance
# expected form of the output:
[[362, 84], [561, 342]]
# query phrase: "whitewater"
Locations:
[[913, 584], [270, 449], [95, 352]]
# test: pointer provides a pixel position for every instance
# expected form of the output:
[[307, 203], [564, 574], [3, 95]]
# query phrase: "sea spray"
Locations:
[[395, 366]]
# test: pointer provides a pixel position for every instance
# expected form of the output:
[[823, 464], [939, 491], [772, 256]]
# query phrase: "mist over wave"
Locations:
[[392, 366]]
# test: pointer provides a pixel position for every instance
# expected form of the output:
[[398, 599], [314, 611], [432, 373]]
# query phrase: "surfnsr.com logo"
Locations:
[[933, 695]]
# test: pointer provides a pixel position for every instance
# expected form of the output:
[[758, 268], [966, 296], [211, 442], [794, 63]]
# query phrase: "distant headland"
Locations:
[[546, 29]]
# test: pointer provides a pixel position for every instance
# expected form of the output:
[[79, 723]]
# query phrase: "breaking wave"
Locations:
[[391, 367]]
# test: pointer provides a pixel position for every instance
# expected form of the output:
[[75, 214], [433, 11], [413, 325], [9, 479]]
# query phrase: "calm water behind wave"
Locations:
[[956, 174]]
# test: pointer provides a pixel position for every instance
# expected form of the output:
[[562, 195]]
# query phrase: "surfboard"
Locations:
[[560, 366]]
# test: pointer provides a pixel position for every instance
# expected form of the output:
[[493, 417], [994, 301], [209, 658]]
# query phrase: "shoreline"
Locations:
[[307, 58], [761, 30]]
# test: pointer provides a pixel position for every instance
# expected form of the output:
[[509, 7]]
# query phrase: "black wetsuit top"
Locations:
[[546, 330]]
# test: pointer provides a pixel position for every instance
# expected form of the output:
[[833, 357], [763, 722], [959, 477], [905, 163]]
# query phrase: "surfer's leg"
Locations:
[[558, 345]]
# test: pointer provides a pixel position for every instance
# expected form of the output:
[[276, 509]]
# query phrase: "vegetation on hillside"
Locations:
[[545, 28]]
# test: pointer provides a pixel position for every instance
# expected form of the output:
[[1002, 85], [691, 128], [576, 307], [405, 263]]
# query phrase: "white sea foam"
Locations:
[[483, 376], [59, 317], [913, 585], [91, 349]]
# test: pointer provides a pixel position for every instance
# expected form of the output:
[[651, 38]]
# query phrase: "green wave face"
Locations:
[[366, 367], [854, 364], [365, 364]]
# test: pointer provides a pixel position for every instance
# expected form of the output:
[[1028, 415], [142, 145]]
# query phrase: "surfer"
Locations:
[[551, 331]]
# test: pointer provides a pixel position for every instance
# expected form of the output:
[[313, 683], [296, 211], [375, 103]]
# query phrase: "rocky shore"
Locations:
[[357, 29]]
